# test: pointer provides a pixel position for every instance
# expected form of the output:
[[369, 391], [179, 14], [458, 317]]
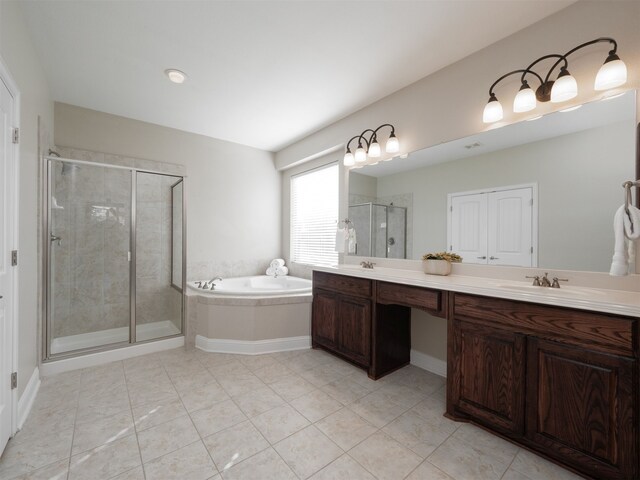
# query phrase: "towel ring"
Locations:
[[629, 201]]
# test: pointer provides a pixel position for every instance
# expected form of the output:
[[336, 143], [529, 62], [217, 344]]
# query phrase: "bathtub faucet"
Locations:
[[213, 285]]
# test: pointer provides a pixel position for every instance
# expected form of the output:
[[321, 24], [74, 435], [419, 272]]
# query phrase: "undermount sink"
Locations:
[[569, 291]]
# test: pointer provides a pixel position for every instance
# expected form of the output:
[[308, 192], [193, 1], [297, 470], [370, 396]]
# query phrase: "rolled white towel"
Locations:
[[271, 271], [282, 271], [620, 260], [277, 262]]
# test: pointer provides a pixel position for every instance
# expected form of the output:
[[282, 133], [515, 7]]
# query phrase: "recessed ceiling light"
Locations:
[[176, 76]]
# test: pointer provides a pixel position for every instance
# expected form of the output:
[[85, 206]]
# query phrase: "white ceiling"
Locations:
[[261, 73]]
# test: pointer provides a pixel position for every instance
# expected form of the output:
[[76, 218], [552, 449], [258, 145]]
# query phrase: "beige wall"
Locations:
[[233, 192], [21, 60], [448, 104]]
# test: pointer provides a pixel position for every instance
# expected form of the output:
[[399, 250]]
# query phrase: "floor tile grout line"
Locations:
[[135, 430], [510, 463]]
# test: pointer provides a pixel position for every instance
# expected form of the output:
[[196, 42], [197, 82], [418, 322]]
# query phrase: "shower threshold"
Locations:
[[144, 331]]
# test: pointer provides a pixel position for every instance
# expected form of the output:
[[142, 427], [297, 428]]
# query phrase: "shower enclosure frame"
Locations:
[[46, 183], [386, 211]]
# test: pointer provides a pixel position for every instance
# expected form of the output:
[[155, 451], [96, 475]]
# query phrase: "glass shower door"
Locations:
[[158, 243], [89, 256]]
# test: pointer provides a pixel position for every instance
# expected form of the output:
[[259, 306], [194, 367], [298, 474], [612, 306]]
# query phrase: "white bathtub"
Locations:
[[260, 285], [250, 315]]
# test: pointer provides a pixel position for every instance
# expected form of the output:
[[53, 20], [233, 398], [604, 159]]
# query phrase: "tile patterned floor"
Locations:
[[186, 414]]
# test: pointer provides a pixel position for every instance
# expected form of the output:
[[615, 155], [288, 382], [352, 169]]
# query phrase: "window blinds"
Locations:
[[314, 216]]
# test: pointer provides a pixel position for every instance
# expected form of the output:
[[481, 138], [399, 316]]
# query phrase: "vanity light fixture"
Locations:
[[176, 76], [368, 146], [612, 73]]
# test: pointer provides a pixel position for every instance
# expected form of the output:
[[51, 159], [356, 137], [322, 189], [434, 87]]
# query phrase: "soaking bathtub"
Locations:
[[250, 315], [260, 285]]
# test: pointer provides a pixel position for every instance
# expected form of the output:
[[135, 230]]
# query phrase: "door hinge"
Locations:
[[15, 135], [14, 258], [531, 202], [531, 249], [14, 380], [451, 208]]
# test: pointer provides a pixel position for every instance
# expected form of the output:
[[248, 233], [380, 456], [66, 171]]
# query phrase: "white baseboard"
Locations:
[[144, 331], [247, 347], [28, 397], [429, 363], [99, 358]]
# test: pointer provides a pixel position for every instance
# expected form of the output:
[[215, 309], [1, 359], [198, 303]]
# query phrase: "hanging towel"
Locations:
[[340, 240], [625, 238], [277, 262], [352, 240], [631, 222]]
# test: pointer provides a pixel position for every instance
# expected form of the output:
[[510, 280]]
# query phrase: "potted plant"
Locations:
[[439, 263]]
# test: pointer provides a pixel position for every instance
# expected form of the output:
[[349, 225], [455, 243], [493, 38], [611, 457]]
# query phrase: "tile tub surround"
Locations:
[[247, 319], [184, 413]]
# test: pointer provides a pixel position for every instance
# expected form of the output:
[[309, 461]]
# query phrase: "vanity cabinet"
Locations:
[[341, 316], [491, 379], [579, 370]]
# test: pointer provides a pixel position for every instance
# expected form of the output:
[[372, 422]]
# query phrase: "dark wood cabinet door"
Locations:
[[491, 376], [580, 408], [354, 327], [324, 313]]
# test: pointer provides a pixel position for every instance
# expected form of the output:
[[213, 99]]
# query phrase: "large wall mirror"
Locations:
[[539, 193]]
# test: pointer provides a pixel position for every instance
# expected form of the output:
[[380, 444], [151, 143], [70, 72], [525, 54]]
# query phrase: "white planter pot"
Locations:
[[436, 267]]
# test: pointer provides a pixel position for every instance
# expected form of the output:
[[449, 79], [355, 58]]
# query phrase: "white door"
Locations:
[[468, 214], [510, 238], [7, 195]]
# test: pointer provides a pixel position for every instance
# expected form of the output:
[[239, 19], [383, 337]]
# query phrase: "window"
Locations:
[[314, 216]]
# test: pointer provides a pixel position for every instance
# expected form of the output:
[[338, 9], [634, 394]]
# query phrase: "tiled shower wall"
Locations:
[[90, 267], [156, 299]]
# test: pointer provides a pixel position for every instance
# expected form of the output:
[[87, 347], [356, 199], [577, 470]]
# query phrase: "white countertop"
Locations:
[[618, 302]]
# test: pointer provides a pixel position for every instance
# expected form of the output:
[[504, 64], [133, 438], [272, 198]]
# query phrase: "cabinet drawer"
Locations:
[[343, 284], [415, 297], [607, 333]]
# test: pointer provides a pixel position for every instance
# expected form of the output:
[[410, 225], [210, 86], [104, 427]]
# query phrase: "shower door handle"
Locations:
[[55, 238]]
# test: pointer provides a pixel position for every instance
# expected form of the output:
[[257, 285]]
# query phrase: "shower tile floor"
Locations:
[[186, 414]]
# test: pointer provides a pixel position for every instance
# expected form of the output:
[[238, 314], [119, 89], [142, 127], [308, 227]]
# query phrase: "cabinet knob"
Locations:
[[493, 258], [484, 257]]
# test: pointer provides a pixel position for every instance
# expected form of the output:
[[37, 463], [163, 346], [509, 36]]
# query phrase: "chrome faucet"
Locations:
[[213, 285], [543, 281], [367, 264], [556, 281]]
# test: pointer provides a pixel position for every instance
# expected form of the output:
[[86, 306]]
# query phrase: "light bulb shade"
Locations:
[[525, 100], [349, 161], [361, 155], [492, 111], [374, 150], [564, 88], [612, 74], [393, 145]]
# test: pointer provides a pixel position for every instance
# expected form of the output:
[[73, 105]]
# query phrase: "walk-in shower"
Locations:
[[113, 256], [381, 230]]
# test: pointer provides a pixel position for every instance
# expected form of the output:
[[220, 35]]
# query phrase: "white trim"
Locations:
[[247, 347], [12, 86], [428, 363], [145, 331], [100, 358], [28, 397]]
